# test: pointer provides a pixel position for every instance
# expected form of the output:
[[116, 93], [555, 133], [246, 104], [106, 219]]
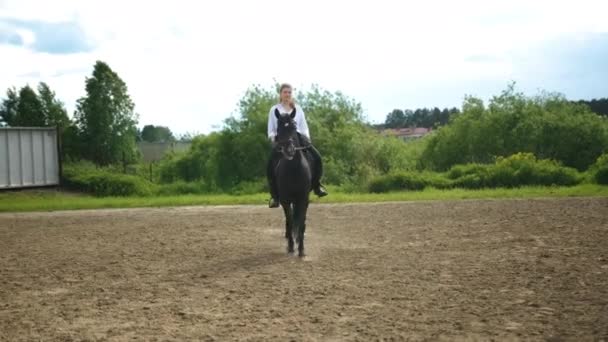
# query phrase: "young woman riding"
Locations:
[[286, 105]]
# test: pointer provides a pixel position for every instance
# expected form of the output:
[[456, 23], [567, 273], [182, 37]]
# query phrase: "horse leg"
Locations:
[[288, 226], [300, 221]]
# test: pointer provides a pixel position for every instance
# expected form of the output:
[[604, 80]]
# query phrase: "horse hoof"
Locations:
[[290, 251], [301, 254]]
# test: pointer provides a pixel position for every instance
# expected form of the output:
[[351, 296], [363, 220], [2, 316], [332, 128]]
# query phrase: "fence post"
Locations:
[[58, 131]]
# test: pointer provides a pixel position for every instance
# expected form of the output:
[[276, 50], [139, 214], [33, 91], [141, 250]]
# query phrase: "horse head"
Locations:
[[287, 134]]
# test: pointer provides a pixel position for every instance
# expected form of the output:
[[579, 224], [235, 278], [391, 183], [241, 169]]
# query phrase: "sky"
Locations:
[[187, 63]]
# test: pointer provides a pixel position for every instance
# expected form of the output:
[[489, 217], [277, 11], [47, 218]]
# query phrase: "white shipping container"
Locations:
[[29, 157]]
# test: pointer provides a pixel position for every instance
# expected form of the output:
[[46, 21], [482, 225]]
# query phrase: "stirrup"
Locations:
[[273, 203], [320, 191]]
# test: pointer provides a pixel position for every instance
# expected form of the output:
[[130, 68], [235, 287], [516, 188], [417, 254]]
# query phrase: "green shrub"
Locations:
[[599, 170], [397, 181], [408, 181], [471, 181], [520, 169], [459, 171], [524, 169], [517, 170], [100, 182], [601, 175], [182, 188], [249, 188], [547, 125], [200, 187]]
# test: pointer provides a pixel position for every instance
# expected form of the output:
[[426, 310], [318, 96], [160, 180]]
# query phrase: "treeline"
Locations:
[[512, 140], [28, 108], [421, 117], [598, 106], [548, 126], [435, 117], [103, 129]]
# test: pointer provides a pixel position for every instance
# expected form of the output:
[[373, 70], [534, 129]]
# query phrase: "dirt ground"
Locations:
[[461, 270]]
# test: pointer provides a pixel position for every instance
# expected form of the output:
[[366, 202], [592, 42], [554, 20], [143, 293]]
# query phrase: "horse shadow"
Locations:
[[252, 263]]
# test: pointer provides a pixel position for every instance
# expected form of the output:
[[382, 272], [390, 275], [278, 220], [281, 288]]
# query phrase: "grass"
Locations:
[[26, 201]]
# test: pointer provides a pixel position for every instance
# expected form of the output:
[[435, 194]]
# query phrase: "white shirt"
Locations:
[[301, 125]]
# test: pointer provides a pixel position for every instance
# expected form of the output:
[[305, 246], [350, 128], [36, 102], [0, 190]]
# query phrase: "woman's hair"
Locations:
[[284, 86]]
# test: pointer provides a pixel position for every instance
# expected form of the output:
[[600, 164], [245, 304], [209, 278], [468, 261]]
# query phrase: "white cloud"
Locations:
[[186, 63]]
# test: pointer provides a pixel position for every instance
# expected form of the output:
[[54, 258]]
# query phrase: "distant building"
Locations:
[[408, 133]]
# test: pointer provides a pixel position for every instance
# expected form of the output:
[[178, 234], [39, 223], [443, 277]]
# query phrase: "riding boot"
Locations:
[[317, 187], [272, 184]]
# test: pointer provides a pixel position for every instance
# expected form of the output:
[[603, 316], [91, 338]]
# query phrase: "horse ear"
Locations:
[[293, 113], [277, 113]]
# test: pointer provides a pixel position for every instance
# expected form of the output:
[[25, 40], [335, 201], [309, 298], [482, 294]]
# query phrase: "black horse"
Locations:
[[294, 179]]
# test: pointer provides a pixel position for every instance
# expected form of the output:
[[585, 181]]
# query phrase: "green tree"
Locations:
[[29, 109], [72, 146], [421, 117], [148, 133], [598, 106], [546, 125], [106, 118], [243, 147], [8, 107], [435, 118], [395, 119], [53, 109], [151, 133]]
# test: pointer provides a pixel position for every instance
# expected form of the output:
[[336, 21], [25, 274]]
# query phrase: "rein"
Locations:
[[301, 148], [280, 150]]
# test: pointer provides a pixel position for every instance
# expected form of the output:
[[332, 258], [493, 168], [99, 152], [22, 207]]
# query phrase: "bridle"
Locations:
[[280, 149], [290, 144], [299, 148], [281, 146]]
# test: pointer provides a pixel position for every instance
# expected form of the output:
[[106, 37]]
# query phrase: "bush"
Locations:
[[547, 125], [601, 175], [408, 181], [460, 171], [100, 182], [517, 170], [471, 181], [520, 169], [200, 187], [249, 188], [182, 188], [599, 170], [524, 169], [397, 181]]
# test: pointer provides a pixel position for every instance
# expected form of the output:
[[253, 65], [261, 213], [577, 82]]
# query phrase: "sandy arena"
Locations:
[[457, 270]]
